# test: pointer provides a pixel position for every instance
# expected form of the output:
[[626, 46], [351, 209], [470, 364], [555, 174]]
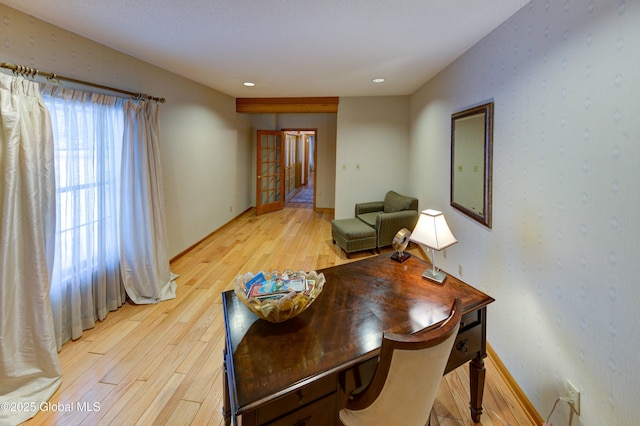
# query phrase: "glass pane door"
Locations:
[[270, 179]]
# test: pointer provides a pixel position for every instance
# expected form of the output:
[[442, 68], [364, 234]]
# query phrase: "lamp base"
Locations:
[[400, 257], [436, 276]]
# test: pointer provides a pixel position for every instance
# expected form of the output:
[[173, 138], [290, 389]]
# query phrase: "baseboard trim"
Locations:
[[529, 409], [188, 249], [324, 210]]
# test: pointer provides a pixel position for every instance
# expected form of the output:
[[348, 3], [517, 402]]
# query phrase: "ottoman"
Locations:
[[353, 235]]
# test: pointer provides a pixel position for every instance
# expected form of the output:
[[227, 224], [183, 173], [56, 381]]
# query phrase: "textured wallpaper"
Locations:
[[202, 140], [562, 257], [31, 42]]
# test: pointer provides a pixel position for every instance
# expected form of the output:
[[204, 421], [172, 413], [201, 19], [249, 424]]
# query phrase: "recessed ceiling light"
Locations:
[[249, 84], [378, 80]]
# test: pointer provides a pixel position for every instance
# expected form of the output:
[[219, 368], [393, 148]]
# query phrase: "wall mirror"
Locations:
[[471, 158]]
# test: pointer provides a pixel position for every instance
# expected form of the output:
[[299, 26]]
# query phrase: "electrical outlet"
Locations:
[[573, 397], [459, 269]]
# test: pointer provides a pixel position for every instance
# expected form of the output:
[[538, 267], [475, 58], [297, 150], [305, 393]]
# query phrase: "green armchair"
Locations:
[[389, 216]]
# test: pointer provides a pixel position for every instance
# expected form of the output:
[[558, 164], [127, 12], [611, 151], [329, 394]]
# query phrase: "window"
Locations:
[[87, 133]]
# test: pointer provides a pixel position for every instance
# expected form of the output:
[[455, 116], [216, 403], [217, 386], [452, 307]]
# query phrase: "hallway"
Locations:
[[303, 196]]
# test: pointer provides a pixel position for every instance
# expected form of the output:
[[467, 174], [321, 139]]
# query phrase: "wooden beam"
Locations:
[[286, 105]]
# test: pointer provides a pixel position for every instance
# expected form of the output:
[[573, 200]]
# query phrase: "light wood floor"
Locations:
[[161, 364]]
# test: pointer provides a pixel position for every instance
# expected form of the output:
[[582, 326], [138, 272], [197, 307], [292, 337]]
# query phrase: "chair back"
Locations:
[[394, 202], [406, 380]]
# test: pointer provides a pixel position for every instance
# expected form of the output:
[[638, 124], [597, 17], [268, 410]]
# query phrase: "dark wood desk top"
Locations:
[[344, 326]]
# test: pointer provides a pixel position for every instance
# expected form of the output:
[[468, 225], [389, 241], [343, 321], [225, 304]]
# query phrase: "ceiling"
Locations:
[[288, 48]]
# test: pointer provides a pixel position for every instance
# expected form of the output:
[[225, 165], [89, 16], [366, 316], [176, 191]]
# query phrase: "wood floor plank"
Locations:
[[124, 359], [156, 358], [160, 408], [154, 389], [162, 364], [184, 413], [458, 383], [211, 408], [77, 355], [445, 408], [105, 341], [207, 374], [113, 403]]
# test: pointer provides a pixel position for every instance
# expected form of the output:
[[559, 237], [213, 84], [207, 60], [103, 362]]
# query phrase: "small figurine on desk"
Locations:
[[399, 244]]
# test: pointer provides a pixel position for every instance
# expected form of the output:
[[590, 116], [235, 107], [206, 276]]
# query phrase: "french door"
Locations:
[[270, 172]]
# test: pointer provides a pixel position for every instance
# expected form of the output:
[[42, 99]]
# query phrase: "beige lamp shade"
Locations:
[[432, 231]]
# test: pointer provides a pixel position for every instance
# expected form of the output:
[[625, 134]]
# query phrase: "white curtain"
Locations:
[[144, 258], [29, 366], [87, 284]]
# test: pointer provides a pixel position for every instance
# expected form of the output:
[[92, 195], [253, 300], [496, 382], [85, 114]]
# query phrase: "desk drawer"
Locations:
[[297, 399], [322, 412], [469, 320], [467, 345]]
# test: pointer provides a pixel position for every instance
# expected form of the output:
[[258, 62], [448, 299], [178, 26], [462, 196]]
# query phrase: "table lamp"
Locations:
[[432, 232]]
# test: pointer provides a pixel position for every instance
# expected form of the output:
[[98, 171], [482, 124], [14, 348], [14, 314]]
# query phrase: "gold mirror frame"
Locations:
[[471, 151]]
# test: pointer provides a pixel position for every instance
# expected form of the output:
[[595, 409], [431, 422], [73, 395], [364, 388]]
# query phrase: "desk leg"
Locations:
[[477, 374], [226, 406]]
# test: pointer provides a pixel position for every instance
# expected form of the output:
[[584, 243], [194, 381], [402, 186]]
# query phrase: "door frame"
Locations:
[[313, 130], [277, 204]]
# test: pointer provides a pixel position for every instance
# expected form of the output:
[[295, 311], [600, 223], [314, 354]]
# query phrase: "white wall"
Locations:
[[206, 153], [205, 146], [372, 152], [562, 257]]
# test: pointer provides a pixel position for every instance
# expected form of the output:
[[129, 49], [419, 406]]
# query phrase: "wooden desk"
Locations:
[[289, 373]]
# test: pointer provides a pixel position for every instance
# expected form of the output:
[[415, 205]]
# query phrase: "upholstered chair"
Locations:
[[407, 377], [389, 216]]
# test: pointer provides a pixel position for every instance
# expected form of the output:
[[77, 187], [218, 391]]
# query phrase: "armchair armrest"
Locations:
[[372, 206], [388, 225]]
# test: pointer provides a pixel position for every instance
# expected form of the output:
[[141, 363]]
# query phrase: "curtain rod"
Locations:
[[31, 72]]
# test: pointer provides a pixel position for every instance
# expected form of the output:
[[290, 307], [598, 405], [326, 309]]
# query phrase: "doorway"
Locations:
[[300, 168], [286, 169]]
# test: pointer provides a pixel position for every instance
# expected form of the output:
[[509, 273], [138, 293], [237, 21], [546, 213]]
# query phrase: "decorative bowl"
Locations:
[[278, 305]]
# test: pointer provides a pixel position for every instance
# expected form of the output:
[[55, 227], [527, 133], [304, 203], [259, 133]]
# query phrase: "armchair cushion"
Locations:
[[369, 218], [370, 207], [388, 224], [389, 216], [394, 202]]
